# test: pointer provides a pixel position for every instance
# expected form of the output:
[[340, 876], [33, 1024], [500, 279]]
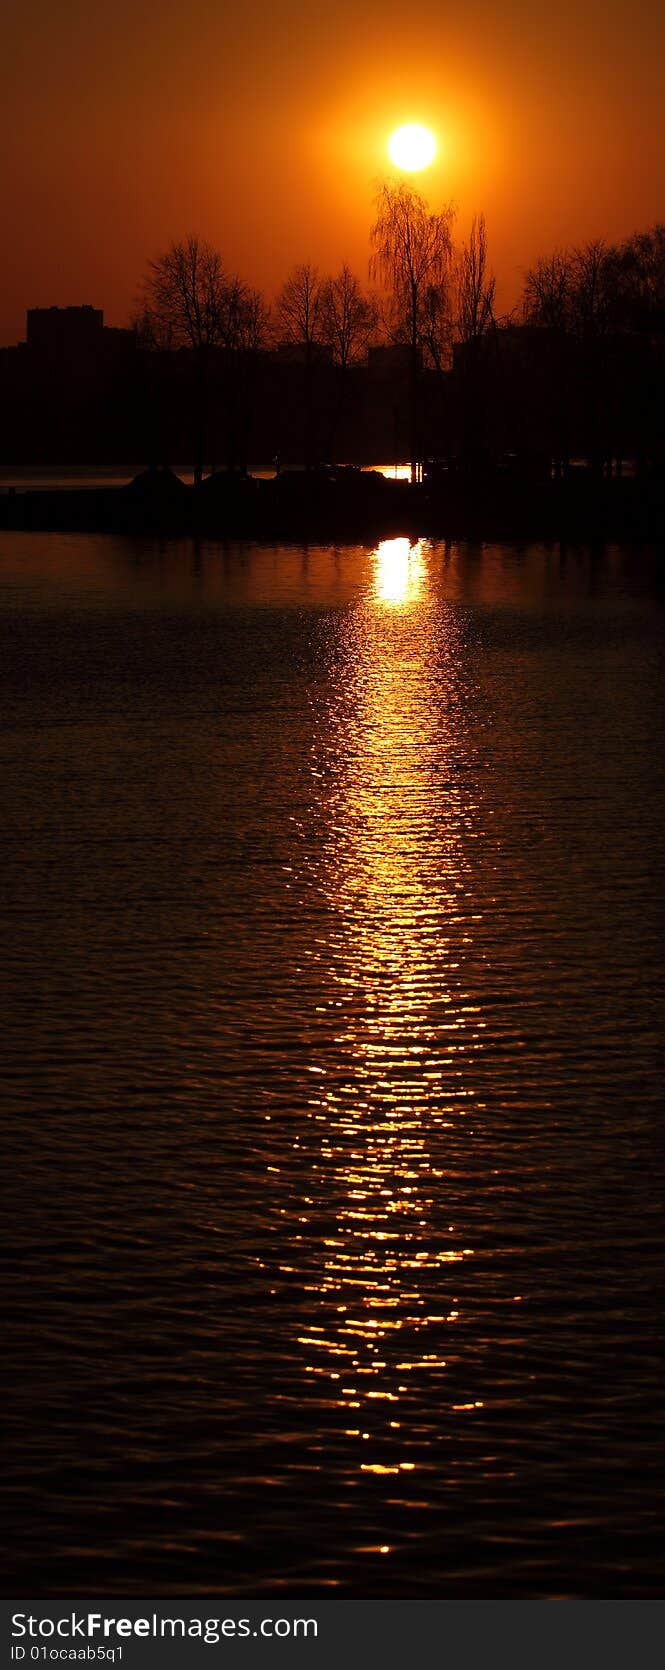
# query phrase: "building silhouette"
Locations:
[[64, 332]]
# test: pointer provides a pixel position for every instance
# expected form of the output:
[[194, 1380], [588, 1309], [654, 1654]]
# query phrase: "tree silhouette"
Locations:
[[639, 280], [476, 286], [299, 307], [348, 320], [186, 291], [437, 326], [587, 299], [348, 317], [546, 296], [188, 303], [475, 290], [299, 321], [589, 289], [411, 255], [251, 320], [244, 333]]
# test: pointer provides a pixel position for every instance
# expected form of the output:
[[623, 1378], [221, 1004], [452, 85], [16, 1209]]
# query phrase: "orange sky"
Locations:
[[262, 126]]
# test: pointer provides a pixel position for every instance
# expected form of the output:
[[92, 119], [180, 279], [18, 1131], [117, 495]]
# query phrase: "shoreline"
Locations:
[[352, 507]]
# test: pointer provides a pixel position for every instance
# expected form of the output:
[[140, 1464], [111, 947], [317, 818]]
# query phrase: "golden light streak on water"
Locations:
[[333, 926], [394, 870], [400, 571]]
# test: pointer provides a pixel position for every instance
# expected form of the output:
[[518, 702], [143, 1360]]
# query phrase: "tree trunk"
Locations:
[[201, 394], [415, 437], [307, 409]]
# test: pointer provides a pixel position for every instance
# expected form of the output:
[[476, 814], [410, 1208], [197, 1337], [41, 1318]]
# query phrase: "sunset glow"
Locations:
[[245, 124], [332, 498]]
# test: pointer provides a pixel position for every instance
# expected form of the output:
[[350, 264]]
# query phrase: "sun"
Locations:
[[412, 147]]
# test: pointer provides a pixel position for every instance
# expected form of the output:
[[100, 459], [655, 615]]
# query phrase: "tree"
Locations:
[[636, 282], [547, 292], [253, 321], [571, 295], [186, 305], [299, 307], [437, 326], [475, 290], [348, 317], [186, 290], [589, 289], [476, 286], [299, 320], [245, 326], [597, 288], [411, 255]]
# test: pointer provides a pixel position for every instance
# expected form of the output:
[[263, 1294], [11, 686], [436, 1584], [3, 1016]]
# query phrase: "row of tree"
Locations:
[[600, 289], [430, 293], [429, 296]]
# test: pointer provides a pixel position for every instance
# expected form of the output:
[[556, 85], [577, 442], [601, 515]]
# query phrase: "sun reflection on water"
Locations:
[[384, 1294], [400, 570]]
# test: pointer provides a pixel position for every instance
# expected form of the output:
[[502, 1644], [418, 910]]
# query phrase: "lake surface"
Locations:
[[332, 892]]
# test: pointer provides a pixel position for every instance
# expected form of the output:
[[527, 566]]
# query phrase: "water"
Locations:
[[332, 985]]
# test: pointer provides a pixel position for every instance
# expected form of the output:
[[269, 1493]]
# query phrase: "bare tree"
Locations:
[[589, 298], [299, 307], [546, 296], [245, 327], [411, 252], [348, 317], [252, 321], [186, 291], [437, 326], [186, 294], [640, 264], [411, 256], [475, 291], [476, 286], [590, 315], [299, 320], [570, 294], [189, 301], [595, 288]]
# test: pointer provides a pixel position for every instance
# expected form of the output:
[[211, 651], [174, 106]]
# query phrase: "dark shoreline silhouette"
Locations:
[[331, 504]]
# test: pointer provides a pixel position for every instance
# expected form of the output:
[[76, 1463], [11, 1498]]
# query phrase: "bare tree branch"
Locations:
[[476, 286], [299, 306], [411, 254], [348, 317]]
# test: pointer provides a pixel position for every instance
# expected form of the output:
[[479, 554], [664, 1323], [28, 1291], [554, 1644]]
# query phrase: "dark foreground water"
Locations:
[[332, 888]]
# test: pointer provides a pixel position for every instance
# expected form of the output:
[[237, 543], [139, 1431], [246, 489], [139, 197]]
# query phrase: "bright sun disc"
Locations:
[[412, 147]]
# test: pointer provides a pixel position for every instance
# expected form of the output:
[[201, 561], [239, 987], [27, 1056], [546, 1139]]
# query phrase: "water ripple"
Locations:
[[333, 990]]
